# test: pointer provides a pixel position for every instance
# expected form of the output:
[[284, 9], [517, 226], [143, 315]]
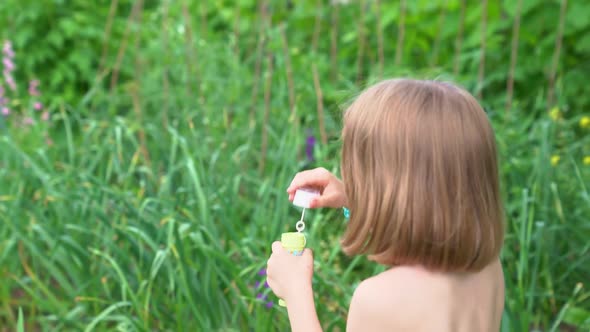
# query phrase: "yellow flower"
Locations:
[[555, 160], [585, 122], [587, 161], [555, 113]]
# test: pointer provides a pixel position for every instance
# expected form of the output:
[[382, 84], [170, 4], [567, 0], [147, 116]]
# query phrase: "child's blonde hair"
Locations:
[[420, 172]]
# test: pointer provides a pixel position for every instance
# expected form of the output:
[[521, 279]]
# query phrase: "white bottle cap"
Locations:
[[304, 196]]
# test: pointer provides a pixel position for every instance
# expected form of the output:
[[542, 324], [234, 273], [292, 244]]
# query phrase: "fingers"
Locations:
[[322, 201], [314, 203], [270, 283], [318, 177], [276, 247], [328, 199], [307, 253]]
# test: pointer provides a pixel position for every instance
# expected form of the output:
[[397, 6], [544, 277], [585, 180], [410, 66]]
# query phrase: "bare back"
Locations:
[[414, 299]]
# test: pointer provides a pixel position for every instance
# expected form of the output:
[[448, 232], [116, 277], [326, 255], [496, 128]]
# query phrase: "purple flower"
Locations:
[[262, 296], [38, 106], [5, 111], [309, 147]]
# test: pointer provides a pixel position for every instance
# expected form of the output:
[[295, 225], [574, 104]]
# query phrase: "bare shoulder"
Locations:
[[400, 298], [374, 298]]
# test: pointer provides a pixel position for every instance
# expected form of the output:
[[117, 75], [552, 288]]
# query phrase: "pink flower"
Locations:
[[9, 80], [38, 106], [8, 64], [11, 83], [45, 116], [33, 85], [7, 49], [3, 99], [5, 111], [28, 121]]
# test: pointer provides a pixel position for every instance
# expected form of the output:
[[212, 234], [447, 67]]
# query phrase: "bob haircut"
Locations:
[[420, 171]]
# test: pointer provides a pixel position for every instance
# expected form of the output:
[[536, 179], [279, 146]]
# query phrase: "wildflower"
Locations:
[[8, 64], [10, 80], [33, 88], [45, 116], [587, 160], [5, 111], [262, 296], [28, 121], [555, 113], [309, 146], [257, 284], [585, 122], [38, 106], [7, 49], [555, 160]]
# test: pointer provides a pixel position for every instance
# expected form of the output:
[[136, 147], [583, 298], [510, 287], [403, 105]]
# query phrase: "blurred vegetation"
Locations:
[[146, 198]]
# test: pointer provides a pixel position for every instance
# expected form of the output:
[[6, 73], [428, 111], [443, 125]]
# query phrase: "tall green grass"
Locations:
[[95, 239]]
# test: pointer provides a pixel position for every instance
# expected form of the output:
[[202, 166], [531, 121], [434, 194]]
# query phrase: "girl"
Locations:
[[420, 179]]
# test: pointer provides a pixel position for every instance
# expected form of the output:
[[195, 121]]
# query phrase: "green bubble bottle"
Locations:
[[294, 243]]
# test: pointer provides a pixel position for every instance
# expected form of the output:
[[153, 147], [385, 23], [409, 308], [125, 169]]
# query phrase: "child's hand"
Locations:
[[288, 274], [331, 188]]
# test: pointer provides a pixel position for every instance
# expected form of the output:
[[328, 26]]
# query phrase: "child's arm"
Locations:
[[289, 277], [302, 313]]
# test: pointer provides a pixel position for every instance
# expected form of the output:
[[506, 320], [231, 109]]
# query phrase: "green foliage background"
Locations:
[[174, 135]]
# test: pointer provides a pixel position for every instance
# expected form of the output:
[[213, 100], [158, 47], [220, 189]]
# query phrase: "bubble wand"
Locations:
[[294, 242]]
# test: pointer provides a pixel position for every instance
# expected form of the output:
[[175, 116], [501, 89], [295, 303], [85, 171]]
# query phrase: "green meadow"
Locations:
[[143, 178]]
